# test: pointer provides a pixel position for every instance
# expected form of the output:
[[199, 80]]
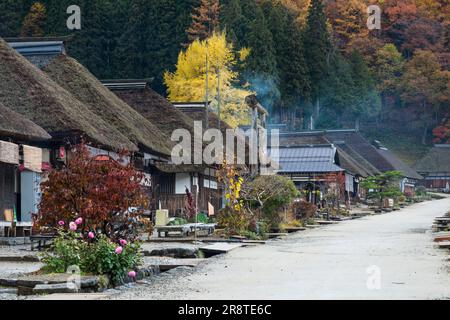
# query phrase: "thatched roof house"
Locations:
[[14, 126], [158, 110], [358, 156], [76, 79], [435, 167], [197, 111], [30, 92], [350, 160], [437, 160]]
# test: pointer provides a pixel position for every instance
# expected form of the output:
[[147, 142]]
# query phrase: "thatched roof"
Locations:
[[199, 114], [14, 125], [157, 109], [379, 158], [436, 161], [357, 155], [71, 75], [30, 92]]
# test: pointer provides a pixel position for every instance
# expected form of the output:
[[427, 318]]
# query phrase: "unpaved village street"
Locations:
[[333, 262]]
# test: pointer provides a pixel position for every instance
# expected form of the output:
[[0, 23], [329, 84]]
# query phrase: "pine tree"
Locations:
[[34, 22], [11, 17], [317, 49], [205, 20], [262, 58], [367, 100], [261, 64], [291, 65], [234, 22]]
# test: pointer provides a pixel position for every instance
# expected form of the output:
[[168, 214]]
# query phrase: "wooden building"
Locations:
[[20, 164], [357, 156], [312, 168], [170, 181], [435, 168], [73, 106]]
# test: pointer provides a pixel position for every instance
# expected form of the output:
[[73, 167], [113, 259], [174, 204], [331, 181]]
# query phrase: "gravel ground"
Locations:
[[389, 256], [19, 250]]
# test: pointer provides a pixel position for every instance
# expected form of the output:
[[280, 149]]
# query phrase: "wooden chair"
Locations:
[[9, 217]]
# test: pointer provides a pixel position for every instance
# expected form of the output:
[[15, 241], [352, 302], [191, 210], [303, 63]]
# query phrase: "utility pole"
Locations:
[[218, 97], [207, 68]]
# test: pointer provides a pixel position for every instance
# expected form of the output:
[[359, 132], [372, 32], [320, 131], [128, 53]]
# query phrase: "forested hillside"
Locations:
[[313, 63]]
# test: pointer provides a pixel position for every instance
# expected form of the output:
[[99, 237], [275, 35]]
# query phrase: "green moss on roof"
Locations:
[[437, 160], [76, 79], [15, 125], [28, 91]]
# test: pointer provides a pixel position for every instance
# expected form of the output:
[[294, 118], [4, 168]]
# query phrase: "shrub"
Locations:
[[93, 255], [304, 210], [100, 191], [178, 222], [234, 217], [66, 251], [271, 195], [100, 257]]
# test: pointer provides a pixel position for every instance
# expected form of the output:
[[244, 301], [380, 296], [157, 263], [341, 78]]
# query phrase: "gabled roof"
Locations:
[[436, 161], [308, 159], [14, 125], [399, 165], [357, 155], [156, 109], [380, 158], [76, 79], [197, 111], [30, 92]]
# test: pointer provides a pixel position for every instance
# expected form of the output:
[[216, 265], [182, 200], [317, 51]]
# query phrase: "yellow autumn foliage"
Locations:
[[188, 82]]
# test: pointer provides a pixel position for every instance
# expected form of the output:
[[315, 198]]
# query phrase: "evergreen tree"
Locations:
[[367, 102], [34, 22], [86, 45], [291, 65], [234, 22], [205, 20], [12, 13], [317, 49], [261, 64]]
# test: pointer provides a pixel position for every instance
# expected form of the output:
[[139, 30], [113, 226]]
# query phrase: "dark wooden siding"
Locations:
[[7, 192]]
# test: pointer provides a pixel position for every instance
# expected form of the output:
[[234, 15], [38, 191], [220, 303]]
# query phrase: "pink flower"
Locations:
[[73, 226], [119, 250], [91, 235], [132, 274], [61, 223], [123, 242], [79, 221]]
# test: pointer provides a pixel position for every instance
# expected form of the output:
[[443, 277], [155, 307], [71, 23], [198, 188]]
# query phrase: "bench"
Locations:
[[41, 240], [187, 229], [183, 230]]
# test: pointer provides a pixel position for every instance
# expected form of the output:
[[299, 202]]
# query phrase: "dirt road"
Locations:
[[389, 256]]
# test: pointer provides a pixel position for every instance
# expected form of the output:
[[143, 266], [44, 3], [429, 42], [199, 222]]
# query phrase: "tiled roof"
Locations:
[[308, 159]]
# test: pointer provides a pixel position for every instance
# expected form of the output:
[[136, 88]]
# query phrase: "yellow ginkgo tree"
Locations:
[[216, 59]]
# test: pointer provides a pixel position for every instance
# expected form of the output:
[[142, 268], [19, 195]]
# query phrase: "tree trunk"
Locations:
[[425, 129]]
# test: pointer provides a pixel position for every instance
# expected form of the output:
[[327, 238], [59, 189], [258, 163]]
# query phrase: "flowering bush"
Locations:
[[93, 254], [66, 251], [105, 257]]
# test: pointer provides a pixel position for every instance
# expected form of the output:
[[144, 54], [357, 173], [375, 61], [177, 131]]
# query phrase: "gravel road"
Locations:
[[389, 256]]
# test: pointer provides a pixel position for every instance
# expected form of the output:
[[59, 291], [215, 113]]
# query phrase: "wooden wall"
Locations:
[[7, 190]]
